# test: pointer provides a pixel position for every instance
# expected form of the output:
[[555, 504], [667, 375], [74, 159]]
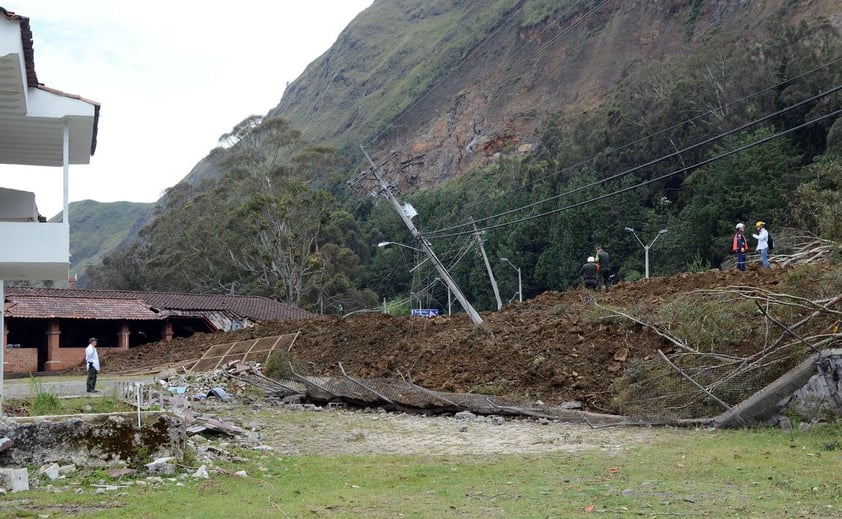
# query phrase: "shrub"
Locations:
[[278, 365], [44, 402]]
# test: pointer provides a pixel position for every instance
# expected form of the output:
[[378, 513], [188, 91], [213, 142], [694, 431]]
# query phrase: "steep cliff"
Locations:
[[444, 86]]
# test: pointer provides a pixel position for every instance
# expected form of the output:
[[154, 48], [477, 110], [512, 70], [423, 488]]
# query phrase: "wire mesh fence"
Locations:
[[393, 394]]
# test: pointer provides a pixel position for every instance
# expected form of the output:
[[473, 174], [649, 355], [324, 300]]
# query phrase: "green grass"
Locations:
[[696, 473], [45, 403]]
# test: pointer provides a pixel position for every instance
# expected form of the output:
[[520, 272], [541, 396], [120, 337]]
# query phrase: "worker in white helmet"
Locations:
[[739, 246], [589, 273]]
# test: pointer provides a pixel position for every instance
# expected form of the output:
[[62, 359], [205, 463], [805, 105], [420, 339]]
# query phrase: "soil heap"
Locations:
[[554, 348]]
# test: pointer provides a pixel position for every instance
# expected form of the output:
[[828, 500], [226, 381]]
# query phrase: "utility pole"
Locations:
[[478, 236], [422, 242]]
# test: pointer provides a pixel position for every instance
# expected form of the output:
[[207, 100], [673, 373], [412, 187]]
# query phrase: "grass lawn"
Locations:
[[748, 473]]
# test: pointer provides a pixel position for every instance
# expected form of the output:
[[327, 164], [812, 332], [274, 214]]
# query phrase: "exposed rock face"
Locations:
[[95, 440], [492, 101], [821, 397]]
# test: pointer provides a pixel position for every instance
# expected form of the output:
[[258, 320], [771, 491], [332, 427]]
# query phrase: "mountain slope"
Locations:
[[97, 228], [406, 77], [440, 89]]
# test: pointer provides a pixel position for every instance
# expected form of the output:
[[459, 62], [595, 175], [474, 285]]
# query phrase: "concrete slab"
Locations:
[[14, 480], [772, 399]]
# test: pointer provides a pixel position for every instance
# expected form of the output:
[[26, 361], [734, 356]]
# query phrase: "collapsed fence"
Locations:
[[405, 396], [702, 378]]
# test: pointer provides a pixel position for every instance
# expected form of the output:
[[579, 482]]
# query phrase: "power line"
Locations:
[[438, 233], [653, 180], [669, 128]]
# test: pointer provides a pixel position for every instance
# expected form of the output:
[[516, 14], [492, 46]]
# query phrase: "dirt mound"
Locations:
[[551, 348]]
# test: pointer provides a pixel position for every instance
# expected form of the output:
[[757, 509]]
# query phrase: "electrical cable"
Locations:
[[652, 180], [694, 119], [443, 232]]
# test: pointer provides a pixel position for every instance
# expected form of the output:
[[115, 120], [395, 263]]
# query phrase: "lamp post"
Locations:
[[646, 247], [519, 282], [385, 244]]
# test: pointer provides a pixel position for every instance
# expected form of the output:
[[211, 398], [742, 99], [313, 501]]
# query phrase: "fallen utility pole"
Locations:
[[422, 242]]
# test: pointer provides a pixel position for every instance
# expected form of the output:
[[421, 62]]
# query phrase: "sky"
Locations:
[[171, 78]]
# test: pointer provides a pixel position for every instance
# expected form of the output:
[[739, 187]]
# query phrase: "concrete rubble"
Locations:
[[812, 390], [60, 444]]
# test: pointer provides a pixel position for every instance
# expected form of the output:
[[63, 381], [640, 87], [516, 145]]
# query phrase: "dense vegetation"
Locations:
[[740, 129]]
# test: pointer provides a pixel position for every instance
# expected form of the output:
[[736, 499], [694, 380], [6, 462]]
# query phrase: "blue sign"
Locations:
[[425, 312]]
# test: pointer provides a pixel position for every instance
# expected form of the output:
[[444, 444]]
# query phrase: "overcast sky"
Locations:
[[171, 78]]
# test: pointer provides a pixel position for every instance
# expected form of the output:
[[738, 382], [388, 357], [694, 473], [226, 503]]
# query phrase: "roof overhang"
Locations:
[[33, 117]]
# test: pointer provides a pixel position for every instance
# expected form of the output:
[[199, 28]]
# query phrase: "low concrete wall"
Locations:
[[92, 440], [63, 358]]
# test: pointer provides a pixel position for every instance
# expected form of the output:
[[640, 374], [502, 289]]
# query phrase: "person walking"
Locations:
[[589, 273], [762, 238], [740, 246], [92, 358], [604, 268]]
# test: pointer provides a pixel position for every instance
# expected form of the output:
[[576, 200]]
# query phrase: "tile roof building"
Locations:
[[46, 329]]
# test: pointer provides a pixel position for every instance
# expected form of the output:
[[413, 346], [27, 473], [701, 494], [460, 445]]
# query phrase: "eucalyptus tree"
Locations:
[[281, 221]]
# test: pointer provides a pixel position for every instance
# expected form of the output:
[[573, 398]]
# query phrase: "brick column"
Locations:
[[54, 361], [123, 337], [167, 332]]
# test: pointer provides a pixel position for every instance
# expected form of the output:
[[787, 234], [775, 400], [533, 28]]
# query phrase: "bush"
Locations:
[[278, 365], [44, 402]]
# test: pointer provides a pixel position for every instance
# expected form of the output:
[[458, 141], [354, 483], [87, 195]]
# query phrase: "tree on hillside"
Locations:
[[281, 221], [753, 184]]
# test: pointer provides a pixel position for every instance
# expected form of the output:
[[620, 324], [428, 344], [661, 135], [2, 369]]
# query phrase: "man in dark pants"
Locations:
[[604, 268], [589, 273], [739, 245], [92, 359]]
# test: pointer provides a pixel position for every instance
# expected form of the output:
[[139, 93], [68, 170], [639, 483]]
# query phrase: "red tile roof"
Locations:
[[256, 308], [26, 40], [42, 307]]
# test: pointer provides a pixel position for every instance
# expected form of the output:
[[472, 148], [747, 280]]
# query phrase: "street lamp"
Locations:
[[519, 282], [646, 247], [384, 244]]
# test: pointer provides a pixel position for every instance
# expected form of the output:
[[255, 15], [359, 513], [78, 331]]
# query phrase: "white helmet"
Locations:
[[590, 259], [741, 226]]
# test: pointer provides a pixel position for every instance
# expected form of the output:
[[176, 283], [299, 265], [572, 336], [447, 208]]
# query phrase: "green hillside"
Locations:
[[97, 228]]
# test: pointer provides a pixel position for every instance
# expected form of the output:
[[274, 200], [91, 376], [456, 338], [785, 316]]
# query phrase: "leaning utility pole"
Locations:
[[422, 242], [478, 237]]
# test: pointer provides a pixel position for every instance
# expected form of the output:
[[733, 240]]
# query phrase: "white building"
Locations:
[[39, 126]]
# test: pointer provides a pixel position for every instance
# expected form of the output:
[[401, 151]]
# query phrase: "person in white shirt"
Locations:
[[92, 359], [762, 238]]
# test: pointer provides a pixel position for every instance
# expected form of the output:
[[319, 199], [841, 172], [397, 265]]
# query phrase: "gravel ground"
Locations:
[[291, 430], [301, 430]]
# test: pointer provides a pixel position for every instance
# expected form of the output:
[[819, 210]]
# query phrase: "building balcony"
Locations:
[[34, 251]]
